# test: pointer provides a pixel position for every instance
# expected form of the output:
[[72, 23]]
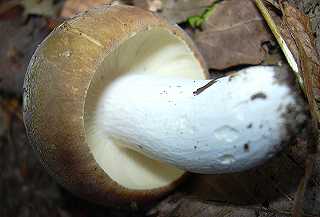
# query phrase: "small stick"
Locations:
[[283, 45]]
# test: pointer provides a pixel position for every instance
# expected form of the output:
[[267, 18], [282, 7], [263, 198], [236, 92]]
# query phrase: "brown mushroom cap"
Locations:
[[55, 89]]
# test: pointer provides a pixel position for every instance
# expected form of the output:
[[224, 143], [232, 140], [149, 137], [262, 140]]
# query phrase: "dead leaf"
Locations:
[[302, 41], [73, 7], [18, 42], [151, 5], [11, 107], [297, 23], [302, 44], [179, 205], [8, 5], [45, 8], [233, 35], [176, 11]]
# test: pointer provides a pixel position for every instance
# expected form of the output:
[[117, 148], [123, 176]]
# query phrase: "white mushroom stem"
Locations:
[[236, 123]]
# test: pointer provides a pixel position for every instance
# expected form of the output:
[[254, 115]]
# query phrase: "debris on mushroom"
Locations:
[[121, 111]]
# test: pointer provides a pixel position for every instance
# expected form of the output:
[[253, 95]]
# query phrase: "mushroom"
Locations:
[[118, 104]]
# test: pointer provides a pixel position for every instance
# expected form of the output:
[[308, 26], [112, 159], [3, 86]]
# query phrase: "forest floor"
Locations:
[[27, 190]]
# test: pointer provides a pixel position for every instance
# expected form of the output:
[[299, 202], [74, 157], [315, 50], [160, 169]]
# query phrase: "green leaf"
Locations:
[[197, 21]]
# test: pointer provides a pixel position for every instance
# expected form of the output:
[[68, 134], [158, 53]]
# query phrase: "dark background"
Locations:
[[25, 188]]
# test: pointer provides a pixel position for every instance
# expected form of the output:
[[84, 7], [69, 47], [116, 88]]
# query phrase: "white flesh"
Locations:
[[235, 124], [155, 51]]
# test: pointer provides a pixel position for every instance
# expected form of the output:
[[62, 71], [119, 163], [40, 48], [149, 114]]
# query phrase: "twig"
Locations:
[[283, 45], [201, 89], [273, 3]]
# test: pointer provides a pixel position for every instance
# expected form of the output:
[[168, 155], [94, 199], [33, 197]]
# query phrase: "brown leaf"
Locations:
[[295, 22], [298, 35], [151, 5], [233, 35], [73, 7], [9, 8], [176, 11], [180, 205], [45, 8], [18, 43], [302, 44]]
